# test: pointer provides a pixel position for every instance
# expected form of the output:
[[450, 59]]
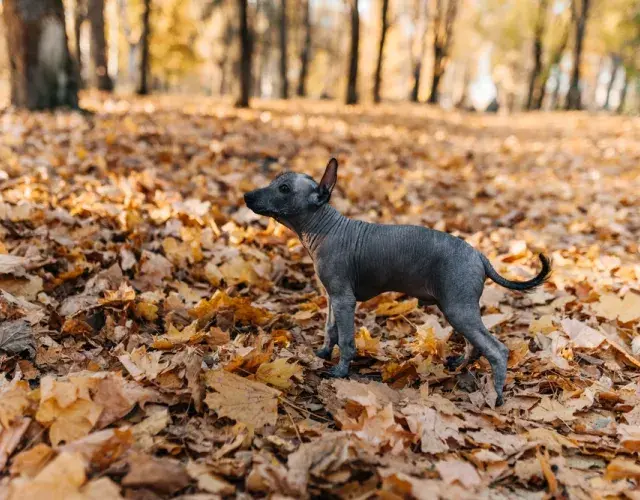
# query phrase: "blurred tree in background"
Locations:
[[472, 54]]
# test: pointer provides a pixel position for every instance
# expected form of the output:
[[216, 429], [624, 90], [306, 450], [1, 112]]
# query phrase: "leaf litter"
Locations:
[[156, 338]]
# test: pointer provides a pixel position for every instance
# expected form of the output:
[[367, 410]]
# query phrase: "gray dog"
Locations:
[[356, 261]]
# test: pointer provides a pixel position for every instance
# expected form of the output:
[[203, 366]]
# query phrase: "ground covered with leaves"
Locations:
[[156, 337]]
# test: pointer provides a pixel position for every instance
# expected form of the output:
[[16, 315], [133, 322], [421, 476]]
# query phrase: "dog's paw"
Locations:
[[339, 371], [324, 353], [499, 400], [452, 363]]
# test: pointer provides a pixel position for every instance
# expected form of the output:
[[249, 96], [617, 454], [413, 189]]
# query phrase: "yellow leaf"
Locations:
[[31, 461], [251, 403], [394, 308], [59, 480], [278, 373], [242, 308], [426, 342], [365, 343], [188, 334], [14, 400], [123, 294], [147, 310]]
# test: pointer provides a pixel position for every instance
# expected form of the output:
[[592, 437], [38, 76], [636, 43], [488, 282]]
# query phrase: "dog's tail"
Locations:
[[518, 285]]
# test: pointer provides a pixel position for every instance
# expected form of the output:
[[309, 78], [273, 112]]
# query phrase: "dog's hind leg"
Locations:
[[466, 319]]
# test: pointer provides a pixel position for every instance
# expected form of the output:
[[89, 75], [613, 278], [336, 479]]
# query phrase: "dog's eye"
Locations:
[[284, 188]]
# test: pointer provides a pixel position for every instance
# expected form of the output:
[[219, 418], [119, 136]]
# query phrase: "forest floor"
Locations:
[[156, 337]]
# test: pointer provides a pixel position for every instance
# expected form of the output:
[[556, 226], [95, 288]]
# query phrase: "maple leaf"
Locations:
[[433, 427], [582, 335], [278, 373], [612, 307], [394, 308], [243, 400], [16, 337], [142, 364], [58, 480], [14, 400], [365, 344], [242, 308], [549, 410], [188, 335], [458, 471]]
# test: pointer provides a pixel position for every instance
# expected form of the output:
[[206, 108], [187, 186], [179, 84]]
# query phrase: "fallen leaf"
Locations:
[[163, 475], [16, 337], [243, 400], [460, 471], [278, 373]]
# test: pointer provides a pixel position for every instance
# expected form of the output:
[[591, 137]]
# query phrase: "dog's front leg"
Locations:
[[344, 307], [331, 334]]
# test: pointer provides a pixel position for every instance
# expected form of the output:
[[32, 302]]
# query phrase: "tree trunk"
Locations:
[[143, 86], [434, 96], [554, 60], [384, 26], [417, 61], [284, 83], [79, 16], [43, 75], [100, 77], [623, 93], [574, 98], [443, 24], [615, 64], [305, 52], [352, 82], [534, 77], [245, 55]]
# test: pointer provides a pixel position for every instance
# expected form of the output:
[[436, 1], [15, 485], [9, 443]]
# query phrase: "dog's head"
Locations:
[[292, 196]]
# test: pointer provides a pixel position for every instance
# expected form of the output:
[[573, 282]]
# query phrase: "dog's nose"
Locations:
[[248, 197]]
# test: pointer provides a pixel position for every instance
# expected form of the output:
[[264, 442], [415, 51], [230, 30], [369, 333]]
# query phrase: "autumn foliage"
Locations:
[[156, 337]]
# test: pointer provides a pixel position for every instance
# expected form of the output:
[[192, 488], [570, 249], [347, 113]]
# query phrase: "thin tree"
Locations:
[[616, 62], [422, 15], [384, 26], [553, 62], [43, 74], [443, 23], [143, 84], [580, 15], [284, 84], [305, 51], [79, 16], [538, 33], [245, 55], [98, 50], [352, 79]]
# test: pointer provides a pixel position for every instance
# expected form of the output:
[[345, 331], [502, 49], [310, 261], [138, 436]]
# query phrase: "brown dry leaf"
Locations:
[[452, 471], [622, 468], [14, 401], [433, 428], [629, 436], [582, 335], [549, 410], [612, 307], [251, 403], [30, 462], [16, 337], [379, 429], [188, 335], [102, 488], [209, 482], [550, 439], [59, 480], [365, 343], [394, 308], [12, 264], [242, 308], [10, 438], [164, 475], [278, 373], [508, 443], [142, 364]]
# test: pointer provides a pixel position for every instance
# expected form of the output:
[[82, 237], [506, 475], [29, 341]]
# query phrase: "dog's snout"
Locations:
[[249, 197]]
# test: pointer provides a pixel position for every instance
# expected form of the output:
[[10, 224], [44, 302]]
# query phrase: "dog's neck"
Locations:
[[314, 227]]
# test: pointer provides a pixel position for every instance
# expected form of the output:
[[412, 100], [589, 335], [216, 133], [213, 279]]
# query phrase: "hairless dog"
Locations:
[[357, 260]]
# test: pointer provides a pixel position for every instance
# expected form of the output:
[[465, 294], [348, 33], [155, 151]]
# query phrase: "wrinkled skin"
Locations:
[[356, 261]]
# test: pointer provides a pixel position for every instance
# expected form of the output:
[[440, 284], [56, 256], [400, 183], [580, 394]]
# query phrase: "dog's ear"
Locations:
[[327, 183]]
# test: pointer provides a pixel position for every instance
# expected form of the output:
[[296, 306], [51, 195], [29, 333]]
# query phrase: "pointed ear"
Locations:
[[330, 176], [322, 194]]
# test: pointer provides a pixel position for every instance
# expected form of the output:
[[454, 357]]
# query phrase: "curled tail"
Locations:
[[518, 285]]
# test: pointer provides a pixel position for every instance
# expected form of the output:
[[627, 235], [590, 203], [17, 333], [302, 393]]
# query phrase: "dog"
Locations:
[[357, 260]]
